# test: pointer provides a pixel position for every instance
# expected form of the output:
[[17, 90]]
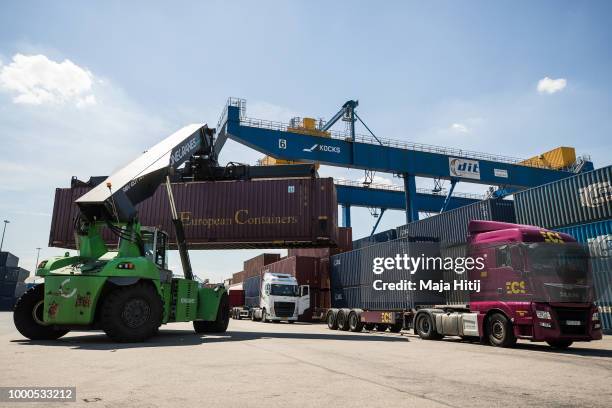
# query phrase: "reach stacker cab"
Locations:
[[129, 292]]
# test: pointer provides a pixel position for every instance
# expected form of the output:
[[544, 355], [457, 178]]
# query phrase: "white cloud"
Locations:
[[460, 127], [36, 80], [550, 86]]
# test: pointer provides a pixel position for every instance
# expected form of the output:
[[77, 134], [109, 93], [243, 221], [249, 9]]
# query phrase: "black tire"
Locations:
[[219, 325], [560, 344], [354, 321], [332, 321], [499, 331], [369, 326], [253, 317], [342, 319], [131, 313], [381, 327], [290, 321], [28, 316], [264, 316], [424, 326], [395, 328]]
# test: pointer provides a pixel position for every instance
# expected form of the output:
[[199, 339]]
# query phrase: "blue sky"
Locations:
[[460, 74]]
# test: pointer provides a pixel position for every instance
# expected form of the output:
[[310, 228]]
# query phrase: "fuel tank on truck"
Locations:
[[227, 214]]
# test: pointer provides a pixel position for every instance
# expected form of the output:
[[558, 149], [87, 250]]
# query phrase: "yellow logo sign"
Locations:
[[550, 236], [516, 287]]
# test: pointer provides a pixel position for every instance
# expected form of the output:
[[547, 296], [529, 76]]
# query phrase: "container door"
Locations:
[[304, 301]]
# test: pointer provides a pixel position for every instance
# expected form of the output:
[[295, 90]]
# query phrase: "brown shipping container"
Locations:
[[345, 244], [228, 215], [252, 266], [238, 277]]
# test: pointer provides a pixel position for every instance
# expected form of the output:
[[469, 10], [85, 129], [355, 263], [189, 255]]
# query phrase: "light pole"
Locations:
[[3, 231], [37, 256]]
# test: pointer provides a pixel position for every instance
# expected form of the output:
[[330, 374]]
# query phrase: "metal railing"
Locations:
[[361, 138], [394, 187]]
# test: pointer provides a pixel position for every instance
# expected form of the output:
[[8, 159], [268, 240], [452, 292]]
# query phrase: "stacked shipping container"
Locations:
[[227, 215], [12, 280], [580, 206]]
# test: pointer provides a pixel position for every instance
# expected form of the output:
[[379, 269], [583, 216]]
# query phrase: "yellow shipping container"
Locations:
[[271, 161], [554, 159]]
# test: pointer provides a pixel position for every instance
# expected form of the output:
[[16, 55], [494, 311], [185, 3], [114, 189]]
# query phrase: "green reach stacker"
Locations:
[[129, 292]]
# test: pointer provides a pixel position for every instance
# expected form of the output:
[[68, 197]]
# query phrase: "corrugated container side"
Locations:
[[383, 236], [345, 243], [352, 277], [451, 226], [228, 215], [580, 199], [252, 288], [238, 277], [303, 268], [252, 266], [598, 237], [8, 259]]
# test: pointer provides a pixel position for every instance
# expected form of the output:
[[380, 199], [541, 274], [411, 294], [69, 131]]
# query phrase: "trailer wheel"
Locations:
[[499, 331], [331, 318], [396, 328], [354, 320], [28, 316], [369, 326], [342, 319], [131, 313], [219, 325], [560, 344], [425, 327]]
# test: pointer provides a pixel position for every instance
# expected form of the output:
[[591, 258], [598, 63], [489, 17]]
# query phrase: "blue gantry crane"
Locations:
[[371, 153]]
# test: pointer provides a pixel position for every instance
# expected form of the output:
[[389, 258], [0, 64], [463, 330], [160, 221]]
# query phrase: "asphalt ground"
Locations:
[[259, 364]]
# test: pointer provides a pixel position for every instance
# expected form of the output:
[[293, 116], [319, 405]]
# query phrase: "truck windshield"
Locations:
[[563, 270], [283, 290]]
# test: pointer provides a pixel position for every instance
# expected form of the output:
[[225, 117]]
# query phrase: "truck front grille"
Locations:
[[284, 309], [567, 319]]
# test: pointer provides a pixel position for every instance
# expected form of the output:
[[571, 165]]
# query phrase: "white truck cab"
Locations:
[[281, 298]]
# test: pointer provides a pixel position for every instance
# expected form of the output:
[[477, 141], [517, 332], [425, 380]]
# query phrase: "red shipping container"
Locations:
[[303, 268], [227, 215], [344, 244], [236, 297]]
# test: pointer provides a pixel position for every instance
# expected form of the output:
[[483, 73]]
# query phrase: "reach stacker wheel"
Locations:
[[132, 313], [28, 316], [219, 325]]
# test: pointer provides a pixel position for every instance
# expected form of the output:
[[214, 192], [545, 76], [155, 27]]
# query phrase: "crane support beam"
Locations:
[[391, 157], [354, 196]]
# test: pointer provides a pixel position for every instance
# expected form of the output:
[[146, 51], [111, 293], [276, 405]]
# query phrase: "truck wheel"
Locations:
[[28, 316], [219, 325], [425, 327], [395, 328], [342, 319], [369, 326], [355, 323], [560, 344], [131, 313], [499, 331], [332, 321], [264, 316], [381, 327]]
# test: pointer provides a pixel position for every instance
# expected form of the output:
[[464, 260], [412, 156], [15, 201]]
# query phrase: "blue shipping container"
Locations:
[[598, 237], [383, 236]]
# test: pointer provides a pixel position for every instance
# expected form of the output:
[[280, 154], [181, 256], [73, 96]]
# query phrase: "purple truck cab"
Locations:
[[536, 285]]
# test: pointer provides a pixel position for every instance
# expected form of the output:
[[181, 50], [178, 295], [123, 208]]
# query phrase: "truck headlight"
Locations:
[[543, 314], [595, 316]]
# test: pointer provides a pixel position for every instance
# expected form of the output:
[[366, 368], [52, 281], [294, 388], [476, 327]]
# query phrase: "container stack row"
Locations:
[[12, 280]]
